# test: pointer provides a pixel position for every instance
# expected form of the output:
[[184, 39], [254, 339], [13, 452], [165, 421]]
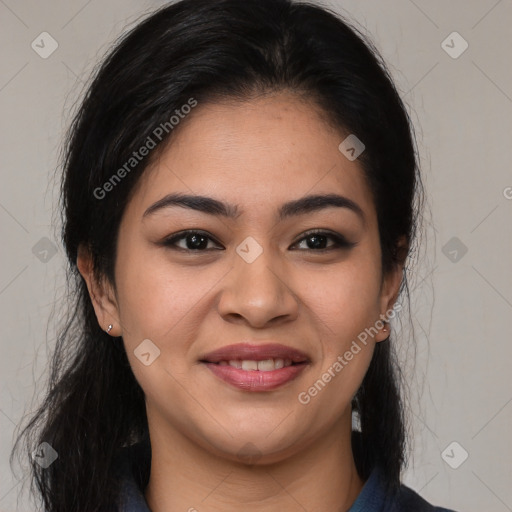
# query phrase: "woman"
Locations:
[[240, 197]]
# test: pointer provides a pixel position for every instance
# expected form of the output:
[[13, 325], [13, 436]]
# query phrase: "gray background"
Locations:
[[462, 109]]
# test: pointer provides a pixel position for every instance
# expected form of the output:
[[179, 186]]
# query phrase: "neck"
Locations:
[[186, 477]]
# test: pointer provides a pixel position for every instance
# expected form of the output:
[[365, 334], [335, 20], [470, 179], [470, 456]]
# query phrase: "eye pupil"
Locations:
[[198, 241], [317, 241]]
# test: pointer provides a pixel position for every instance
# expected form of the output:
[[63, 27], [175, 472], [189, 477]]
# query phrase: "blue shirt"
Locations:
[[134, 463]]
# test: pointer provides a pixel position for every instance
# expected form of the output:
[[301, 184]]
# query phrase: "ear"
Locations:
[[391, 286], [101, 293]]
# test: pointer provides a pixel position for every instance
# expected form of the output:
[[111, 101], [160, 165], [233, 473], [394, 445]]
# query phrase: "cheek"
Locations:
[[345, 306], [345, 299], [152, 300], [330, 392], [164, 303]]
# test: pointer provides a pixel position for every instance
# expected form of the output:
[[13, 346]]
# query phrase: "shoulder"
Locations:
[[407, 500], [376, 496]]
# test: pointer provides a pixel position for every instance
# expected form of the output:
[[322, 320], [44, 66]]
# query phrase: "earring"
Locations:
[[109, 329]]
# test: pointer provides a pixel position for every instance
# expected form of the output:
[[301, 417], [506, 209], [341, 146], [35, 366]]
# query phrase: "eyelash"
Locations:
[[340, 241]]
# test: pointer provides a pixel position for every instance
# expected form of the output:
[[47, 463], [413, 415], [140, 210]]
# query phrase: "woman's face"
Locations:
[[255, 277]]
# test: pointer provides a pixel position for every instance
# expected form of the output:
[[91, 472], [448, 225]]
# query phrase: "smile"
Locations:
[[266, 365], [248, 376], [256, 367]]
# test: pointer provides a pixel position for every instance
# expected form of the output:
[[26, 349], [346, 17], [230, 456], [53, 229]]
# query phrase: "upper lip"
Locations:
[[253, 352]]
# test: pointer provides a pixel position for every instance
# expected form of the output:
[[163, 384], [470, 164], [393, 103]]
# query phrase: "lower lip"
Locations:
[[256, 380]]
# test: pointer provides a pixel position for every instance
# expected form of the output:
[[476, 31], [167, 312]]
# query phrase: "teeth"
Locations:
[[266, 365], [249, 365]]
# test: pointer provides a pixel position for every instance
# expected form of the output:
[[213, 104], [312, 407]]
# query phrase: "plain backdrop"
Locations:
[[460, 100]]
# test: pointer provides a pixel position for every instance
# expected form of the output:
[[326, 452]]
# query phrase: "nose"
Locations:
[[258, 293]]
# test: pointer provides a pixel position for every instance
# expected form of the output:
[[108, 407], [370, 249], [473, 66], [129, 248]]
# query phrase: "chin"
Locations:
[[256, 445]]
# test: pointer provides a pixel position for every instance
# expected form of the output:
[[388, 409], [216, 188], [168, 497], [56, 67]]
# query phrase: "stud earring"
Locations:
[[109, 329]]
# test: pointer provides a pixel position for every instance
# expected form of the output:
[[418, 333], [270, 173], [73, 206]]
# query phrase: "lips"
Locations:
[[251, 352], [256, 367]]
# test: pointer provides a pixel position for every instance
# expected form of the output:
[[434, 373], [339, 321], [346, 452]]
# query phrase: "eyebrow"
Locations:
[[211, 206]]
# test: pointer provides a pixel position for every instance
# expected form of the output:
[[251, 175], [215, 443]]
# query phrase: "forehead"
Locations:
[[257, 153]]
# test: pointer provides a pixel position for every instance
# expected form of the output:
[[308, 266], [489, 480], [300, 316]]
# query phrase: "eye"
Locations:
[[317, 239], [197, 241], [194, 241]]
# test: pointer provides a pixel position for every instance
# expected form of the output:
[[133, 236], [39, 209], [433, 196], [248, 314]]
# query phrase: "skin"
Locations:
[[257, 154]]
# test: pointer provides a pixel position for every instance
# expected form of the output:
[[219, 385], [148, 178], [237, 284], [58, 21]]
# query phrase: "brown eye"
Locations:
[[194, 241], [317, 241]]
